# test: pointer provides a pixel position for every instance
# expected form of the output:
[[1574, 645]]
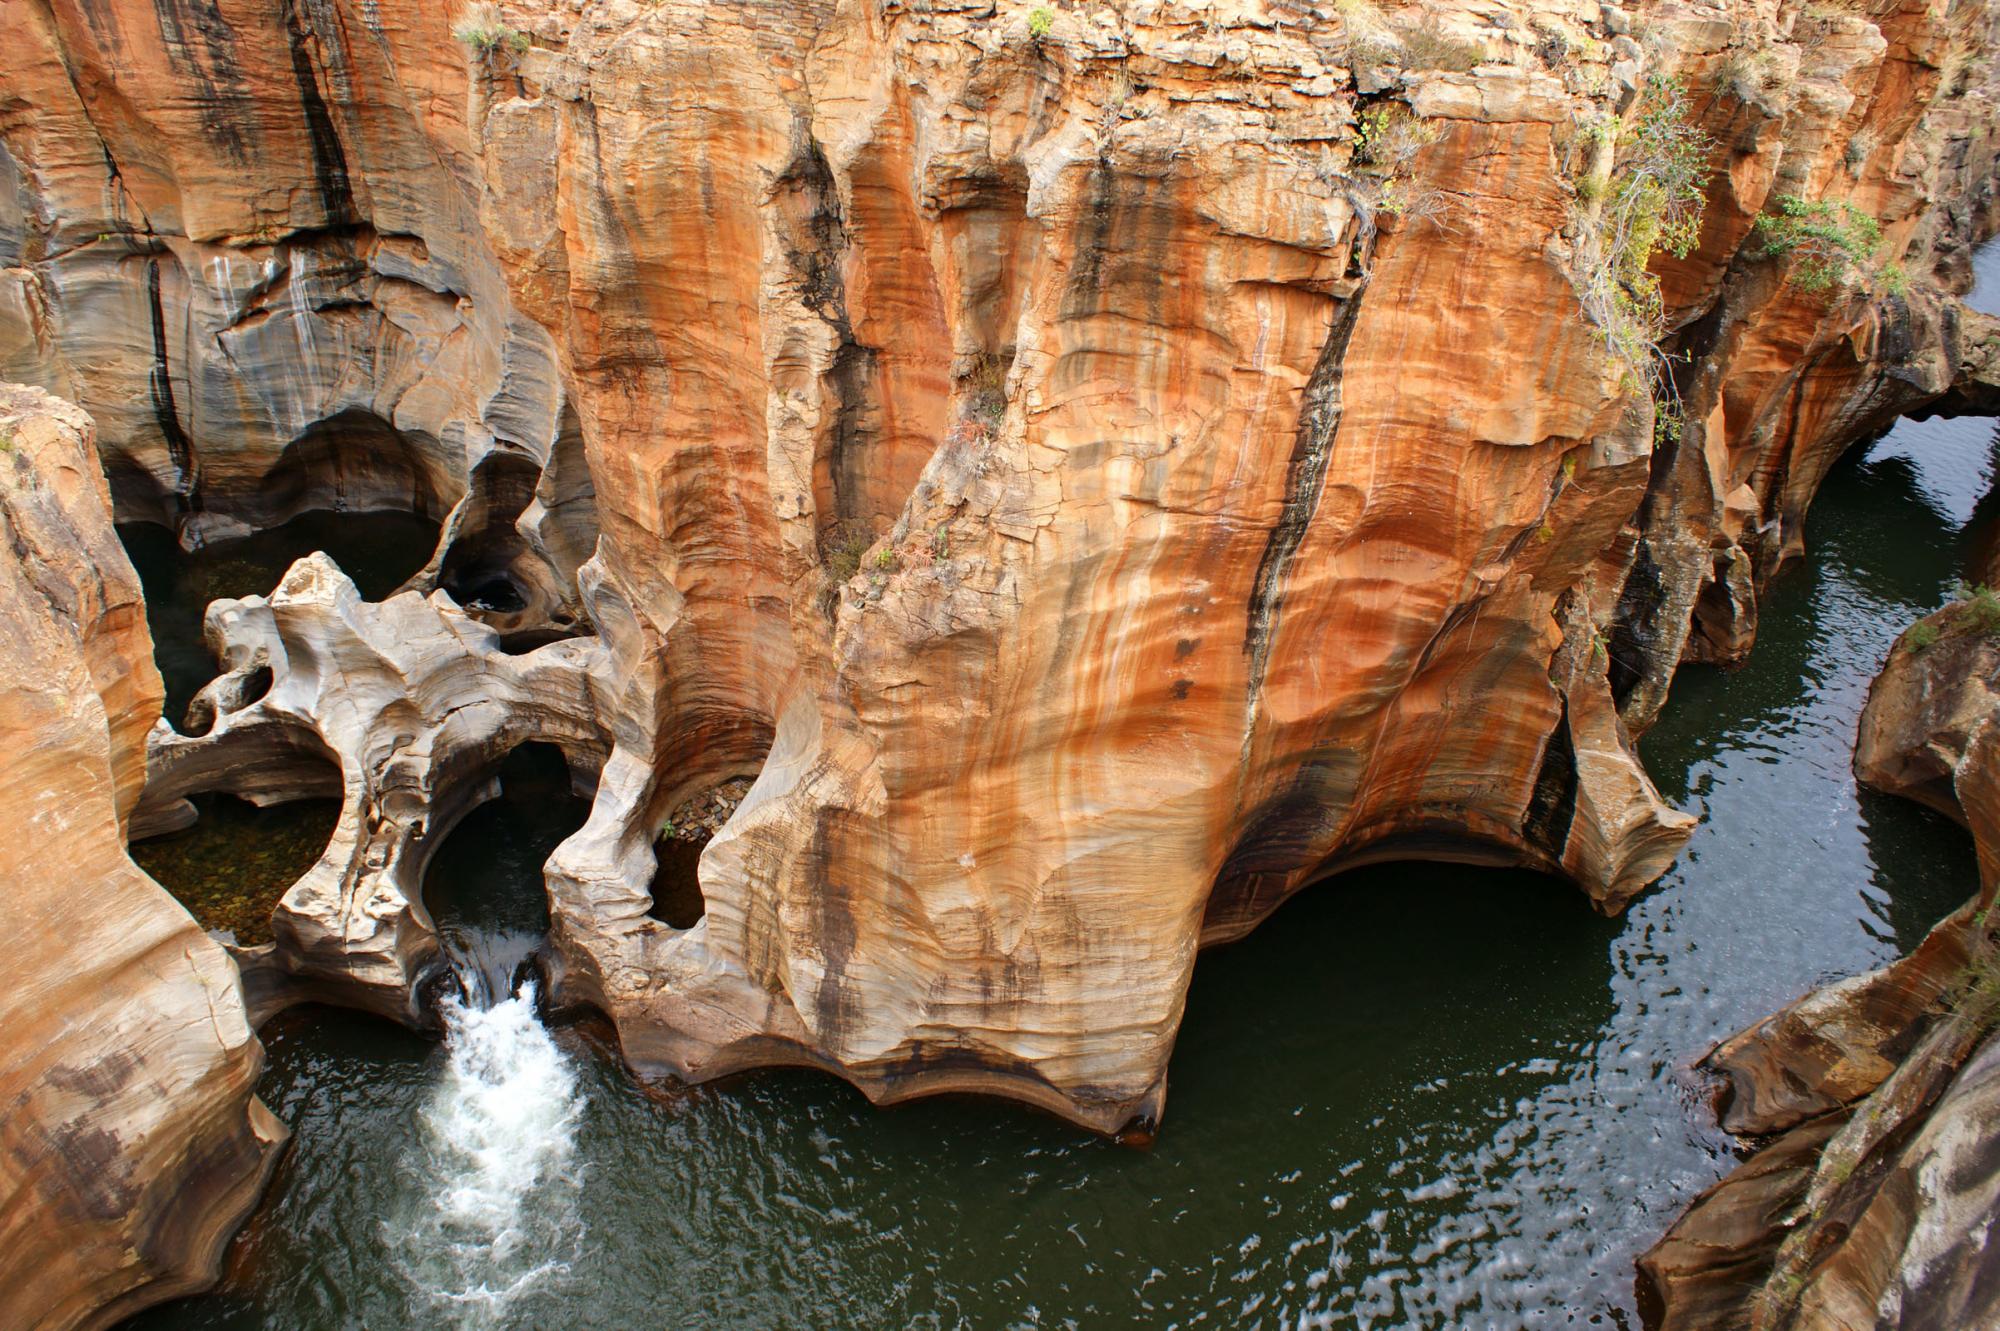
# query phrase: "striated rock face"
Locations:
[[1875, 1202], [130, 1143], [1038, 459]]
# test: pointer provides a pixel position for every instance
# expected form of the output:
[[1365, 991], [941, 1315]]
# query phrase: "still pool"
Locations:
[[1422, 1095]]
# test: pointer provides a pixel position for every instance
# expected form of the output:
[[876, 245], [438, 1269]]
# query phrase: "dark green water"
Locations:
[[378, 550], [1422, 1095], [230, 868]]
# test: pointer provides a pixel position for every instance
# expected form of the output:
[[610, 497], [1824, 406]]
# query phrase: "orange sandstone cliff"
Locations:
[[1096, 469], [130, 1143]]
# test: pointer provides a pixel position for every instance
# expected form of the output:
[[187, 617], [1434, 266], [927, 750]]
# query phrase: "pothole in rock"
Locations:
[[676, 888], [485, 888], [230, 868], [379, 551]]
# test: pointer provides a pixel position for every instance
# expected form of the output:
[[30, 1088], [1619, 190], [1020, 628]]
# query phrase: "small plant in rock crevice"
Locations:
[[1040, 20], [1381, 174], [1825, 240], [842, 546], [1650, 205], [481, 28]]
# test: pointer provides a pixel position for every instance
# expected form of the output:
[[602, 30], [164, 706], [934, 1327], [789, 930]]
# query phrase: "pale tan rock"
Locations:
[[131, 1144], [404, 709]]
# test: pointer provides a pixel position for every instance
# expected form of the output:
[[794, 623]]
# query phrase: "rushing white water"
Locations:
[[498, 1220]]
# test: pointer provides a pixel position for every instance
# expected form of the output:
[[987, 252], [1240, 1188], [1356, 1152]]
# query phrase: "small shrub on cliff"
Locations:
[[1748, 75], [1978, 609], [1040, 21], [986, 389], [1921, 634], [1652, 205], [1387, 140], [840, 550], [1825, 240], [481, 28], [1862, 146], [1427, 44]]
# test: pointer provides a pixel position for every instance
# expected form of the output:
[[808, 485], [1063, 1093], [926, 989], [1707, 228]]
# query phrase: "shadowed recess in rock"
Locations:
[[484, 887], [377, 550]]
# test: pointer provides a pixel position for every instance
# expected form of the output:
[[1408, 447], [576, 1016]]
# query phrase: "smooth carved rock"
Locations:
[[131, 1144], [404, 709], [1875, 1205], [1035, 462]]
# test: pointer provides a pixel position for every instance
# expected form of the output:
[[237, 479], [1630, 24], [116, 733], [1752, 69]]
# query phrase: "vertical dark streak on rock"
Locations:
[[1552, 806], [817, 262], [187, 467], [1635, 624], [329, 157], [1305, 477]]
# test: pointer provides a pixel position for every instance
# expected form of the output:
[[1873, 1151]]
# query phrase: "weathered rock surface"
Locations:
[[130, 1142], [404, 709], [1035, 459], [1875, 1204]]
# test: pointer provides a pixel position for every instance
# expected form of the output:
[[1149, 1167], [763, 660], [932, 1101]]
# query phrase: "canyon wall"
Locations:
[[1876, 1100], [1098, 469], [131, 1145]]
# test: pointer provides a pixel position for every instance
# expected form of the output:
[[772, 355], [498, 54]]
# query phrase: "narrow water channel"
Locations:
[[1424, 1095]]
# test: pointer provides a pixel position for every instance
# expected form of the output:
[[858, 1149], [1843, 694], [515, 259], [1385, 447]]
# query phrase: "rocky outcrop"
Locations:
[[1097, 473], [1873, 1202], [131, 1145], [404, 709]]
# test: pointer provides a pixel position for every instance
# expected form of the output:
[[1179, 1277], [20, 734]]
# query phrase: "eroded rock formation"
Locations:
[[131, 1145], [1030, 450], [404, 709], [1873, 1199]]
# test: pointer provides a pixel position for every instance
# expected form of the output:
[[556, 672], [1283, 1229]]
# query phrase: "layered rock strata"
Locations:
[[1028, 447], [131, 1144], [1873, 1200]]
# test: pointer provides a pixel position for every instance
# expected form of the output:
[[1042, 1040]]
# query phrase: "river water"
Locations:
[[1422, 1095]]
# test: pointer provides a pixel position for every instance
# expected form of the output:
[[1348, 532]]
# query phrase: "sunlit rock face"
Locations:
[[130, 1145], [1027, 453], [1878, 1098]]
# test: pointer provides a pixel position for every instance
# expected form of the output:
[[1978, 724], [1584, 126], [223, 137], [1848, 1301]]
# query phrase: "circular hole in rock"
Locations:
[[255, 685], [488, 593], [485, 886], [527, 640]]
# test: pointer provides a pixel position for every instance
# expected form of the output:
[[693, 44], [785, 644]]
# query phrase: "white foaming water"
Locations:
[[497, 1219]]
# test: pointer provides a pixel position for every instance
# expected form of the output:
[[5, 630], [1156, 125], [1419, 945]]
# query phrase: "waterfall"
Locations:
[[497, 1219]]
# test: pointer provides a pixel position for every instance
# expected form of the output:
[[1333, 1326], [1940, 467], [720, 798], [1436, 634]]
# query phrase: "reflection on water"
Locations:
[[1424, 1095], [377, 550]]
